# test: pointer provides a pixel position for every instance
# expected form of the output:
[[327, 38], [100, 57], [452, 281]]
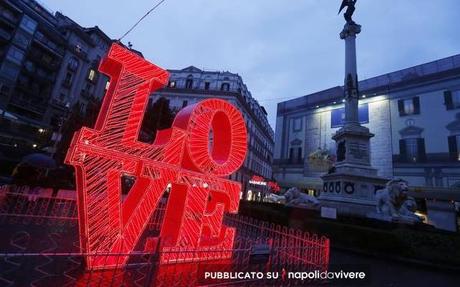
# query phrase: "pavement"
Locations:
[[36, 235], [391, 273]]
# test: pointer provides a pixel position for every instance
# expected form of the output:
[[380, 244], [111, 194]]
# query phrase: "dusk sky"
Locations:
[[282, 49]]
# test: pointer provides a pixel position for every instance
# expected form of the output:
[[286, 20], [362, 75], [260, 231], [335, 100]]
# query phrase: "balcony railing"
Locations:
[[8, 18], [47, 44], [39, 58], [430, 158], [289, 161], [18, 129]]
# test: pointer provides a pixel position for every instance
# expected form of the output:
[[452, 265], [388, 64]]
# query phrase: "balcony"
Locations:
[[51, 65], [48, 45], [18, 129], [28, 105], [38, 75], [8, 18], [431, 159], [289, 162], [60, 104], [44, 60]]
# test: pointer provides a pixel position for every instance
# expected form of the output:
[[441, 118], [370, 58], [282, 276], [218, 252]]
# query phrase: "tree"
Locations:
[[76, 119], [158, 116]]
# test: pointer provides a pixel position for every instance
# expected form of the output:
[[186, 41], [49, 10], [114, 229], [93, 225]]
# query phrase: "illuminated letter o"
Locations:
[[227, 152]]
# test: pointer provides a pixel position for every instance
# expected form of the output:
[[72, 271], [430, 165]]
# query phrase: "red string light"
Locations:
[[181, 156]]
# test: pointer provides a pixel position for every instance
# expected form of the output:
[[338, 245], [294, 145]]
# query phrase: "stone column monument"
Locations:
[[351, 185]]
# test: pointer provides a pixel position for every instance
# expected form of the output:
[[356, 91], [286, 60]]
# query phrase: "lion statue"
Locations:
[[294, 197], [394, 201]]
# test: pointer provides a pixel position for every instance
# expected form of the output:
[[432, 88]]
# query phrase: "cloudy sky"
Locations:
[[283, 49]]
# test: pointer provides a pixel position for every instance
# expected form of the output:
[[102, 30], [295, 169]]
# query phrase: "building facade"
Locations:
[[414, 114], [191, 85], [78, 80], [48, 63]]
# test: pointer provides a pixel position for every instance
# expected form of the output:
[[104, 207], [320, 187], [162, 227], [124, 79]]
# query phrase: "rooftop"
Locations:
[[387, 82]]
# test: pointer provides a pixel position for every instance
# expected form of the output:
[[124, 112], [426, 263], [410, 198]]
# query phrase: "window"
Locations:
[[338, 116], [184, 104], [189, 82], [452, 99], [92, 75], [454, 147], [21, 40], [68, 79], [225, 87], [88, 87], [456, 99], [73, 64], [295, 155], [206, 85], [172, 84], [297, 124], [82, 108], [28, 24], [29, 66], [412, 150], [9, 71], [15, 55], [409, 106]]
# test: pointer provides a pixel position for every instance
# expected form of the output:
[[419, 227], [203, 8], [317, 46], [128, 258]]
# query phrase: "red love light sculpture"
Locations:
[[182, 156]]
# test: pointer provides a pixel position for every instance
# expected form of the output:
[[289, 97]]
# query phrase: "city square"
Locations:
[[118, 171]]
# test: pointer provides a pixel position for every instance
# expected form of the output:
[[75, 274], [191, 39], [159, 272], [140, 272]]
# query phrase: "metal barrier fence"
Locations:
[[36, 207], [42, 249]]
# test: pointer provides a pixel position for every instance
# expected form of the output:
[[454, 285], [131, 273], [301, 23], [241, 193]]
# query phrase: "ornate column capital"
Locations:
[[350, 30]]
